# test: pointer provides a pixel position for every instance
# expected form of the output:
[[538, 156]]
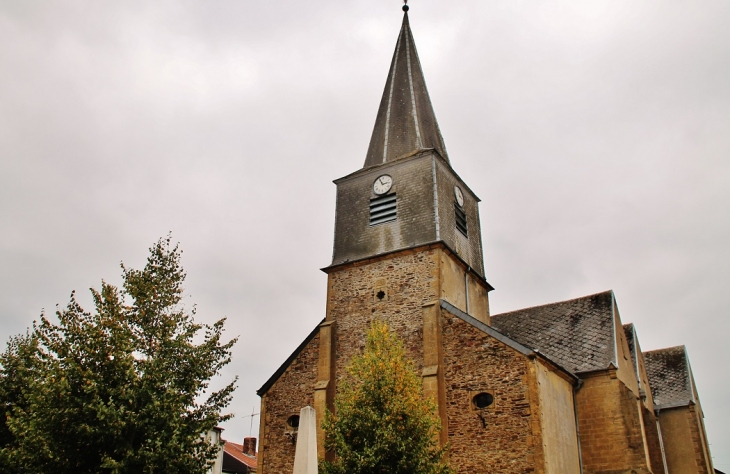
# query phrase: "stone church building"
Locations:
[[562, 388]]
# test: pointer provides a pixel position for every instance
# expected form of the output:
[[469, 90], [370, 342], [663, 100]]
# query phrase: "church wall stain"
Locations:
[[559, 436], [415, 225], [678, 425], [609, 424], [675, 424]]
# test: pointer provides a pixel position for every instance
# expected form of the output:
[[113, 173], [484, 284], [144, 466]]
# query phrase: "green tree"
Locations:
[[124, 389], [382, 423]]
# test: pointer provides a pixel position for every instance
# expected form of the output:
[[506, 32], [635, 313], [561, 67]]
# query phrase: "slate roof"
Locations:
[[670, 377], [406, 122], [578, 334]]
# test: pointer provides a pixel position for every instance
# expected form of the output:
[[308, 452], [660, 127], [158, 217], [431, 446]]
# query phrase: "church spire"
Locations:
[[406, 122]]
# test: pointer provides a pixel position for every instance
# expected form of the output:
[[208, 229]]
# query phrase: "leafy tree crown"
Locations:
[[382, 423], [123, 389]]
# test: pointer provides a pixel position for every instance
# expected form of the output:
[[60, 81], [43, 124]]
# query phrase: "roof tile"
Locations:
[[236, 451], [669, 376]]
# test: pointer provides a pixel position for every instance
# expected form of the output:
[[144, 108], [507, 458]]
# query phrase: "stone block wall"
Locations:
[[557, 419], [676, 429], [505, 437], [652, 441], [684, 441], [407, 281], [610, 426], [392, 288], [699, 443], [286, 397]]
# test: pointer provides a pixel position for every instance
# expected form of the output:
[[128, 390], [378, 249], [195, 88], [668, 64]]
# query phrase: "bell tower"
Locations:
[[407, 246], [510, 397], [406, 195], [407, 239]]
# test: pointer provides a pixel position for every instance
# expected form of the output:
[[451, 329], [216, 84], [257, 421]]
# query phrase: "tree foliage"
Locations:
[[123, 389], [383, 424]]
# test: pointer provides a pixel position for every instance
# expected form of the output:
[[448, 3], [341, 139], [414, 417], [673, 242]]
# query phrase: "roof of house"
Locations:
[[670, 377], [235, 450], [578, 334]]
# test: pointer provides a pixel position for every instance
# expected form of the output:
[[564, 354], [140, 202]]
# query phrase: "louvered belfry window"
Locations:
[[460, 215], [383, 209]]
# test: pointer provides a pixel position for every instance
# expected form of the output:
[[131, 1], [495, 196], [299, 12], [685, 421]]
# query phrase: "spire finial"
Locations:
[[405, 5]]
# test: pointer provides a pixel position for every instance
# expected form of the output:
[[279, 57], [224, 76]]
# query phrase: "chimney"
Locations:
[[249, 446]]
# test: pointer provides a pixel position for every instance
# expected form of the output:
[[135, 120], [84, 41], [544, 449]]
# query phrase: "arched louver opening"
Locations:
[[461, 223]]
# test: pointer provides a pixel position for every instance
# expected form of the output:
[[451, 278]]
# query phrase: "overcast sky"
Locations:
[[597, 135]]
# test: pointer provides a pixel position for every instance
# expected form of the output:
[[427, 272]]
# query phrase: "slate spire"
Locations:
[[406, 122]]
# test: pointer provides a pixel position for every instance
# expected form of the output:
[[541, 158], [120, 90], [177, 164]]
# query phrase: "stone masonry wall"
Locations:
[[652, 439], [698, 440], [676, 430], [287, 396], [500, 439], [407, 281], [610, 428]]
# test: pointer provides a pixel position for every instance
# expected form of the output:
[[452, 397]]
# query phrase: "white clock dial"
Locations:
[[459, 195], [383, 184]]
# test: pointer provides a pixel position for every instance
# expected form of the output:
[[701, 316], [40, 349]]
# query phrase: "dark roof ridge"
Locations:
[[553, 304], [681, 346]]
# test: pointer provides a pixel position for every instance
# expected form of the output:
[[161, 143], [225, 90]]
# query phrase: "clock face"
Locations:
[[383, 184], [459, 195]]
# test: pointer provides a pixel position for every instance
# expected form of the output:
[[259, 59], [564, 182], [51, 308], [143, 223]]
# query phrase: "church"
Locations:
[[562, 388]]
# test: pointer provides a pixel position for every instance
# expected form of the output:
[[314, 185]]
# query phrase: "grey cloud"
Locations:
[[595, 133]]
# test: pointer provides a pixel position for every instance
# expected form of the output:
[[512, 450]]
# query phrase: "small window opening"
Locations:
[[483, 400], [293, 421], [461, 223], [380, 295], [383, 209]]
